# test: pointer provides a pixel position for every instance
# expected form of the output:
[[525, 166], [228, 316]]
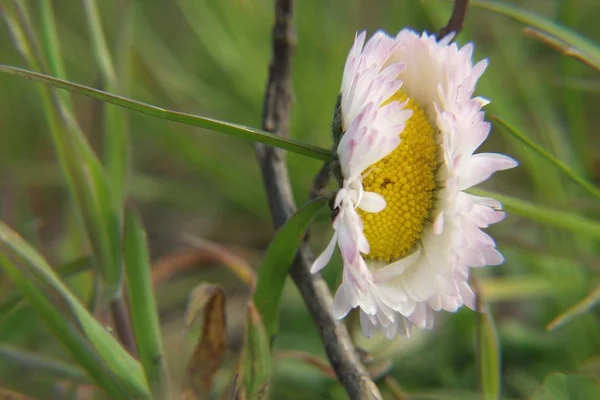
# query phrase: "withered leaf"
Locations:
[[210, 349]]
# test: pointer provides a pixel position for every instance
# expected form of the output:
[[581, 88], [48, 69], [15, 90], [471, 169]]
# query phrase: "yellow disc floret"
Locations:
[[406, 180]]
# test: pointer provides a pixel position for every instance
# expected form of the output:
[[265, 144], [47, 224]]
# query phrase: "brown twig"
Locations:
[[321, 181], [276, 118], [457, 19]]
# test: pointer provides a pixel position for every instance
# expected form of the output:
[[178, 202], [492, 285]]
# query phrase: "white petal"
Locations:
[[341, 303], [467, 295], [481, 166], [438, 224], [325, 256], [372, 202], [398, 267], [367, 326]]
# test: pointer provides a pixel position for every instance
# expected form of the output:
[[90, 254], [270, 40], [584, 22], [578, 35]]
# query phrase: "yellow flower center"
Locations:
[[406, 180]]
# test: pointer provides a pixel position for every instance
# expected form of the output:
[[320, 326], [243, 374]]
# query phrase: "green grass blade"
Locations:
[[51, 44], [144, 312], [65, 332], [239, 131], [127, 371], [257, 359], [83, 172], [586, 50], [65, 271], [43, 365], [544, 215], [489, 356], [514, 132], [278, 260], [116, 134]]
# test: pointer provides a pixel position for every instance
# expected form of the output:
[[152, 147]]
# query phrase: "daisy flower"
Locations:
[[406, 127]]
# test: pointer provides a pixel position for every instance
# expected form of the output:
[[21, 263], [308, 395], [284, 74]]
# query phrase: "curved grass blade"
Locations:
[[240, 131], [544, 215], [144, 313], [514, 132], [587, 51], [278, 261], [107, 362]]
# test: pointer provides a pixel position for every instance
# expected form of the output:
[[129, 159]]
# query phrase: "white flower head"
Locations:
[[406, 230]]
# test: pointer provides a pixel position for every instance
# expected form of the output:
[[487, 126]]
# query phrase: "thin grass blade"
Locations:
[[587, 50], [52, 48], [544, 215], [85, 177], [144, 312], [116, 132], [584, 306], [489, 356], [79, 348], [236, 130], [545, 154], [125, 374], [64, 271]]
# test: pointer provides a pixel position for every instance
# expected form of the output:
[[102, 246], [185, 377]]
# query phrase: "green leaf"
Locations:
[[278, 261], [240, 131], [559, 386], [489, 356], [104, 358], [558, 35], [514, 132], [257, 362], [544, 215], [143, 308]]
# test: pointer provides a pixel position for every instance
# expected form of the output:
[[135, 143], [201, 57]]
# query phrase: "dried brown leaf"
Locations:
[[208, 354]]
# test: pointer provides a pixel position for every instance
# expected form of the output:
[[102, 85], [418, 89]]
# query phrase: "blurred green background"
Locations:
[[210, 57]]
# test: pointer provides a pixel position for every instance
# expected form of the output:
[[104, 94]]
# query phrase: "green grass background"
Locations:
[[210, 57]]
